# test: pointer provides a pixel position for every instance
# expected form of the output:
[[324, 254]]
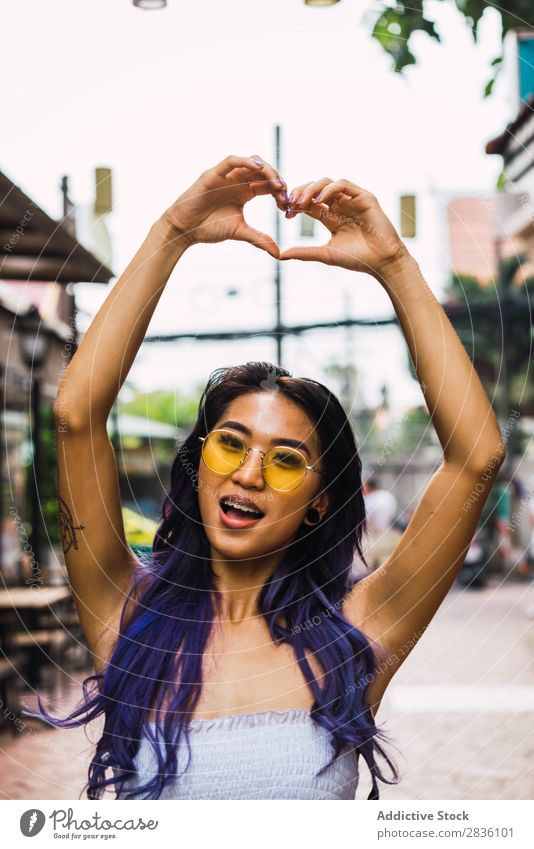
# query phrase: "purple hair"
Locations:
[[172, 603]]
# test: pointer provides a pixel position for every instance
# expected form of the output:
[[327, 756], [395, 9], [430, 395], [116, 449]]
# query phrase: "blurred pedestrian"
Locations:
[[493, 532], [381, 511]]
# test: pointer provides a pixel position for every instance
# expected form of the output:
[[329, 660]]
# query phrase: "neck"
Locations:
[[240, 583]]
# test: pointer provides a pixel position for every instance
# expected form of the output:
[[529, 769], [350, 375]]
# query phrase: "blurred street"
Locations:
[[461, 707], [460, 710], [169, 257]]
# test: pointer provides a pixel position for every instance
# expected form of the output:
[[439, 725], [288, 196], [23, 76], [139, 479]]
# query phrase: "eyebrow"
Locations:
[[277, 440]]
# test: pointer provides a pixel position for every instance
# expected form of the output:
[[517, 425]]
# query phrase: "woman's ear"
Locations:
[[317, 510]]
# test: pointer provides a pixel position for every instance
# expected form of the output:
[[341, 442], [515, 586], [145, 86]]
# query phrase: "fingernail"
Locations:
[[316, 197], [299, 201], [279, 181], [285, 197], [258, 163], [290, 198]]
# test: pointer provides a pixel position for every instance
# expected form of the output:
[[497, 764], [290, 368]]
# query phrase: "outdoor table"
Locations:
[[29, 604], [26, 598]]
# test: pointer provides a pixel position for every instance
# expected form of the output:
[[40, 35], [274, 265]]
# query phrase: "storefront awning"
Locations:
[[35, 247]]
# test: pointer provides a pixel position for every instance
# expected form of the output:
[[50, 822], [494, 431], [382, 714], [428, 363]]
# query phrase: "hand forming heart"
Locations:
[[211, 210]]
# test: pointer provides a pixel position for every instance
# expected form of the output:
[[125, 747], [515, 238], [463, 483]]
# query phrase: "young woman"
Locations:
[[241, 660]]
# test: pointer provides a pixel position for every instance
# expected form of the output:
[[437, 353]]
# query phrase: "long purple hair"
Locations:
[[172, 603]]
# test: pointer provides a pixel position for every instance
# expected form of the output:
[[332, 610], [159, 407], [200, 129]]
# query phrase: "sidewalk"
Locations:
[[460, 710], [40, 762]]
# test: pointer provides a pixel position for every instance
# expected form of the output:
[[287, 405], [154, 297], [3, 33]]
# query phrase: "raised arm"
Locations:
[[395, 604], [97, 557]]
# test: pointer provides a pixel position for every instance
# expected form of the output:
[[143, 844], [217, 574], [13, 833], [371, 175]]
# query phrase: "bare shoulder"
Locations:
[[395, 604]]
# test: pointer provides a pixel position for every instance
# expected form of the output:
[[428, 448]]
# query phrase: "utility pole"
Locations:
[[503, 405], [348, 387], [278, 266], [69, 223]]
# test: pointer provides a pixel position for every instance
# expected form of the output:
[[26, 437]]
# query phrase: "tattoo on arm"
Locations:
[[67, 527]]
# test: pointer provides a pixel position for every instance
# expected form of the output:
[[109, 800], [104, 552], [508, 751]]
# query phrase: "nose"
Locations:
[[250, 473]]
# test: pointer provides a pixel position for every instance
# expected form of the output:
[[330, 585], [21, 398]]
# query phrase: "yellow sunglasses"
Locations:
[[284, 468]]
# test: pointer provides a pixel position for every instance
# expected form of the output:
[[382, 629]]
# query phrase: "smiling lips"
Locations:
[[237, 511]]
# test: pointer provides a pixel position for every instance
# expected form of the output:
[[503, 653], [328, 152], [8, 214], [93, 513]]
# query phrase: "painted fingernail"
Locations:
[[279, 181], [299, 201], [317, 197], [258, 163], [285, 197], [290, 198]]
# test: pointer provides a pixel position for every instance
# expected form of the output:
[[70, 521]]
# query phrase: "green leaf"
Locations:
[[430, 28], [410, 18], [488, 88], [502, 182]]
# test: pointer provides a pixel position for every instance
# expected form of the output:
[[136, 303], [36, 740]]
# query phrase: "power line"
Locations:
[[512, 308]]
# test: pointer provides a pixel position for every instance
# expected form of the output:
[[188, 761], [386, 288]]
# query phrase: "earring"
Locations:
[[313, 516]]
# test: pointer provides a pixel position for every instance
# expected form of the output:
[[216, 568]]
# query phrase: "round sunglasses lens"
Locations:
[[284, 468], [223, 451]]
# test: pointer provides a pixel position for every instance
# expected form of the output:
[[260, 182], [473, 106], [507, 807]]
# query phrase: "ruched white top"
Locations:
[[266, 755]]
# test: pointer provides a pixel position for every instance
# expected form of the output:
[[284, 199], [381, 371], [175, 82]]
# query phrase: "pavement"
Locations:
[[459, 712], [460, 709]]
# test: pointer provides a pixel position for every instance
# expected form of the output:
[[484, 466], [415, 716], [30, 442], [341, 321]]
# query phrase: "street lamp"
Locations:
[[33, 346], [33, 350], [150, 4]]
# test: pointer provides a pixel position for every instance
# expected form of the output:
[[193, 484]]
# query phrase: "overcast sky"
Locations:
[[160, 96]]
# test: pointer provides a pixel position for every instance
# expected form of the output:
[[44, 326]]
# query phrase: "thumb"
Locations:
[[315, 253], [246, 233]]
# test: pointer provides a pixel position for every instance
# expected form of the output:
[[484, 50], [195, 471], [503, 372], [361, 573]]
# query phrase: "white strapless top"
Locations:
[[266, 755]]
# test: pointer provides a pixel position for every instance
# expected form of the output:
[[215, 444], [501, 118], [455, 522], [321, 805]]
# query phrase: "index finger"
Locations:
[[265, 187], [255, 163], [230, 162], [269, 172], [344, 187]]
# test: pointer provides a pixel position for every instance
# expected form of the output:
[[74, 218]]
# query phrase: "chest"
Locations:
[[245, 672]]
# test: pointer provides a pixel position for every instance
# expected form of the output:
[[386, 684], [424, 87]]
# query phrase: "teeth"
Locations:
[[238, 506]]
